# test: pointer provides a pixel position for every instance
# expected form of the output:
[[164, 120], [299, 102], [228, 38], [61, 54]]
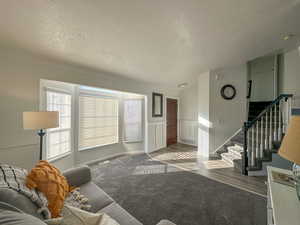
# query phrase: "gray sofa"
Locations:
[[78, 177]]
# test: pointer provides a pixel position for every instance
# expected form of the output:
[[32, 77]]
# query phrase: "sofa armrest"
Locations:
[[78, 176]]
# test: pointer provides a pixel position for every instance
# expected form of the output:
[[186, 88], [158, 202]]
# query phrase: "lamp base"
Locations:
[[296, 173]]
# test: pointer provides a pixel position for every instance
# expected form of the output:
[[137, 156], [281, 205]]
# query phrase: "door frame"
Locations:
[[178, 120]]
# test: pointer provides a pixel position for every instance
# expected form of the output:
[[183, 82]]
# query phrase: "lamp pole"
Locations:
[[41, 133]]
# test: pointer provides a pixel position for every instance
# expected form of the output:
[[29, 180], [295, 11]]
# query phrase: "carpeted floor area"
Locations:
[[151, 190], [185, 157]]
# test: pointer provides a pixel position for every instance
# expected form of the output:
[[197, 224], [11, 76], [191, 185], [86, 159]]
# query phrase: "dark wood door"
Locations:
[[172, 109]]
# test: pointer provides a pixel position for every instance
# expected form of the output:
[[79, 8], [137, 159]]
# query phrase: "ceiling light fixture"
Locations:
[[183, 85]]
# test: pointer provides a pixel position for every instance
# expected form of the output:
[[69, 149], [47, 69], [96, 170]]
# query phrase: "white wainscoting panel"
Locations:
[[188, 132], [27, 156], [156, 135], [24, 156]]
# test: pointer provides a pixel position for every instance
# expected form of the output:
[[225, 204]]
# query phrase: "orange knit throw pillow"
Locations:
[[48, 180]]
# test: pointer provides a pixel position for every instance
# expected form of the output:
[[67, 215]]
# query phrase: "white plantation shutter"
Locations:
[[133, 120], [59, 139], [98, 121]]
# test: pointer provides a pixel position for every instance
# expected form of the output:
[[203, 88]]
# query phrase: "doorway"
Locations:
[[172, 121]]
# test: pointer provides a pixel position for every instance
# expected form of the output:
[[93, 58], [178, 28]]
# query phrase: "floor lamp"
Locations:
[[40, 121], [290, 149]]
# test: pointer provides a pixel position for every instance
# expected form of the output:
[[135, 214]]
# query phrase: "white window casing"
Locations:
[[58, 141]]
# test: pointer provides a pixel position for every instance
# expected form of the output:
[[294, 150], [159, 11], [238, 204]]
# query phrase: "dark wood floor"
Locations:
[[185, 157]]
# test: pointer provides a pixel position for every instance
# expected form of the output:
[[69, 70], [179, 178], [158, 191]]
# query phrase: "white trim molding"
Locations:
[[188, 132], [156, 135]]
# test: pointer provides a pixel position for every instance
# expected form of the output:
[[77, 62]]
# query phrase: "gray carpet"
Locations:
[[151, 191]]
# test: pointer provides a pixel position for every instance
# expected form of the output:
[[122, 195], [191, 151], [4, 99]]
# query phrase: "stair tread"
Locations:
[[235, 150], [238, 142], [230, 156], [254, 168]]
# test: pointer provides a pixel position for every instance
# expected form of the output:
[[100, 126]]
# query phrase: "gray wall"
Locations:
[[189, 102], [289, 80], [227, 116], [218, 119], [261, 72], [188, 113], [20, 74]]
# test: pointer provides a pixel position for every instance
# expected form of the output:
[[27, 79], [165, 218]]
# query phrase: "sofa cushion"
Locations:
[[75, 216], [6, 206], [19, 201], [97, 198], [119, 214], [165, 222], [8, 217]]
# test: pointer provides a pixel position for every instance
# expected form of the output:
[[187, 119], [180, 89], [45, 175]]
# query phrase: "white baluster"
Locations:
[[253, 147], [289, 109], [275, 123], [262, 137], [279, 134], [249, 148], [257, 141], [284, 116], [271, 126], [266, 134]]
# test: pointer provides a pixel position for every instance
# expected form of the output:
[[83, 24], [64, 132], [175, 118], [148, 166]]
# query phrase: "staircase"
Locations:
[[256, 145], [231, 152]]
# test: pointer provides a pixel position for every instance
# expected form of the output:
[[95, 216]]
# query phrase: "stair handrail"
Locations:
[[249, 124]]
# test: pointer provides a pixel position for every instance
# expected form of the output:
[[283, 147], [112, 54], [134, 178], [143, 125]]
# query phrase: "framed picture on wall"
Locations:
[[157, 105], [249, 88]]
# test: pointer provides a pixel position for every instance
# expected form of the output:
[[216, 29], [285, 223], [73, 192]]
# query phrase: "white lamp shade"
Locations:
[[40, 120], [290, 146]]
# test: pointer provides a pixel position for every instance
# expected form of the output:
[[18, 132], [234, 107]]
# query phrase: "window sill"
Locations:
[[97, 146], [56, 158]]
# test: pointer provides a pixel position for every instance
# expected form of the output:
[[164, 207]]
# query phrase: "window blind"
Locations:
[[133, 120], [58, 140], [98, 121]]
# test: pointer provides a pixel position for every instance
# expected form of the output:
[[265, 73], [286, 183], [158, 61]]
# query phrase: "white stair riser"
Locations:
[[236, 151], [236, 154]]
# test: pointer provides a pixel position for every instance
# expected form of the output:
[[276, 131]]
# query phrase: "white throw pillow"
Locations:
[[75, 216]]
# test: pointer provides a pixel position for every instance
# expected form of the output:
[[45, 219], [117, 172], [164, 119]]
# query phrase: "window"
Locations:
[[59, 139], [132, 120], [98, 121]]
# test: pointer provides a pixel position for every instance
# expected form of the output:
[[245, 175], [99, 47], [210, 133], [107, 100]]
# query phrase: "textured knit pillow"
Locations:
[[48, 180]]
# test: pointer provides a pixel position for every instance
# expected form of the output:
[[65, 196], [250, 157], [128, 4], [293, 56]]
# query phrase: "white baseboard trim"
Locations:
[[111, 157], [187, 143], [155, 150]]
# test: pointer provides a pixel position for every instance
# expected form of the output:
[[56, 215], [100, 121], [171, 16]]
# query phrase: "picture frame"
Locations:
[[157, 104], [249, 89]]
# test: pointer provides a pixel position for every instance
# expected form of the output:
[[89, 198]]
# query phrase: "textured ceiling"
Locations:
[[163, 41]]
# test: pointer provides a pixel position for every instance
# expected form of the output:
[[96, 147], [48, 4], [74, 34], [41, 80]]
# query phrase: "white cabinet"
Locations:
[[283, 206]]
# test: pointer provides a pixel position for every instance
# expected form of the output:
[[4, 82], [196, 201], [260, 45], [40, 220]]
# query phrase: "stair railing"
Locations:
[[260, 133]]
